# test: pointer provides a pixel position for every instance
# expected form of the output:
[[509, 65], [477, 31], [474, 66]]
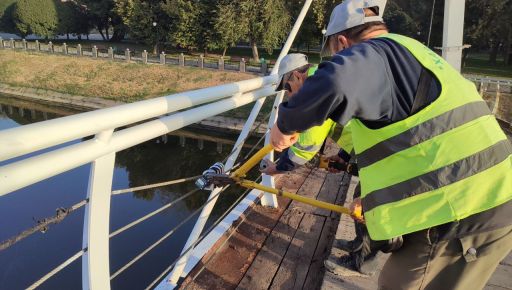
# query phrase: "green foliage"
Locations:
[[310, 32], [139, 18], [488, 21], [489, 26], [72, 18], [268, 23], [6, 15], [229, 30], [36, 16], [185, 16], [103, 15], [207, 16], [398, 21]]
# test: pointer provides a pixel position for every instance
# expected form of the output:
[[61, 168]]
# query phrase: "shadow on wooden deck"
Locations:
[[280, 248]]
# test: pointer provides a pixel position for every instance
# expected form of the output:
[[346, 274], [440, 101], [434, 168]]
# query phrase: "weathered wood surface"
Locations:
[[292, 255], [294, 267]]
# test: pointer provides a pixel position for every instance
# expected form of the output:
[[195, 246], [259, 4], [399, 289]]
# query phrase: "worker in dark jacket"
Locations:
[[293, 70], [412, 112]]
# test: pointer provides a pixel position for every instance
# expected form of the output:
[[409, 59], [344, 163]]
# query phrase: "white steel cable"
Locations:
[[118, 231], [176, 181], [200, 239], [56, 270], [164, 237]]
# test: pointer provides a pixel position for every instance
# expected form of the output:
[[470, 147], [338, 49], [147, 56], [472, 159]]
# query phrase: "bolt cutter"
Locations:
[[238, 177]]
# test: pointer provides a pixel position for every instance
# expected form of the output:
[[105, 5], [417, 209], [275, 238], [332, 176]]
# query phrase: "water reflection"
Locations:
[[184, 153]]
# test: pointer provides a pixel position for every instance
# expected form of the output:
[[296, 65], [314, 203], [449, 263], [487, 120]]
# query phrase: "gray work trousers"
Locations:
[[424, 262]]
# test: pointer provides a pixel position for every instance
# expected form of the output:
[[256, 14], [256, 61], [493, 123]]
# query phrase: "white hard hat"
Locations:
[[289, 63], [350, 13]]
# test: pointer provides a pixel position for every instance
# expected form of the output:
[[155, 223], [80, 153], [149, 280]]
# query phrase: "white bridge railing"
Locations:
[[108, 126], [101, 151]]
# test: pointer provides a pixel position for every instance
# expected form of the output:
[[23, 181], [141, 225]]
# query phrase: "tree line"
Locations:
[[216, 25]]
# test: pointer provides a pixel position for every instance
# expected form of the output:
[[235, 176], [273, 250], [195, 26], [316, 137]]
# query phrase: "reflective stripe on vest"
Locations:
[[446, 162], [310, 142]]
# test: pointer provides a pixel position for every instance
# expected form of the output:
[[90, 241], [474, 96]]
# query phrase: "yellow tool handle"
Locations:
[[240, 173], [255, 159], [324, 162], [299, 198]]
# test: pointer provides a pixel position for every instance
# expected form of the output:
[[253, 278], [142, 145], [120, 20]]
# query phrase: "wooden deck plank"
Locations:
[[331, 184], [265, 270], [294, 267], [502, 277], [249, 237], [311, 188], [265, 265], [225, 265], [292, 254], [342, 192], [317, 269]]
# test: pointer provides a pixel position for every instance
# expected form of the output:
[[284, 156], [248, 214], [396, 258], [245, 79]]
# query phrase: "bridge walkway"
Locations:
[[281, 248]]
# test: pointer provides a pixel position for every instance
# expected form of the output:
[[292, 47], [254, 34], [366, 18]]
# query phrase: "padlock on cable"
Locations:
[[203, 182]]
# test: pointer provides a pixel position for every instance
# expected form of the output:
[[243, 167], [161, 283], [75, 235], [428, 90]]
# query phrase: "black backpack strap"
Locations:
[[420, 100]]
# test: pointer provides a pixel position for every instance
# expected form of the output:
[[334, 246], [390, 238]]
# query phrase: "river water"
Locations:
[[157, 160]]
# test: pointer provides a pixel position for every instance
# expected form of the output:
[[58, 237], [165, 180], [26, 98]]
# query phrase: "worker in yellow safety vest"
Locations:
[[363, 252], [293, 70], [434, 164]]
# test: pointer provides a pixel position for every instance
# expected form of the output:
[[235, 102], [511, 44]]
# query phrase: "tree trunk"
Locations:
[[106, 33], [118, 34], [494, 53], [255, 54], [101, 33], [224, 51], [67, 35], [155, 49]]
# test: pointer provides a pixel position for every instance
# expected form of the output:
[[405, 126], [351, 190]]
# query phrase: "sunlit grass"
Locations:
[[102, 78]]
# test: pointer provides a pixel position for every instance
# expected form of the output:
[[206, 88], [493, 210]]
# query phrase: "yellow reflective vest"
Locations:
[[447, 162], [311, 140], [345, 140]]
